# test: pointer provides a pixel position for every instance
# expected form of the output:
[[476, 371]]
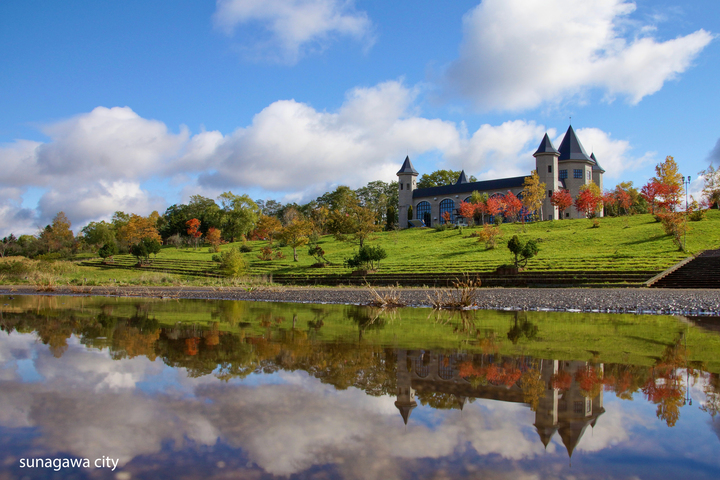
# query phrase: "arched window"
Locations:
[[467, 200], [423, 213], [447, 205], [446, 367]]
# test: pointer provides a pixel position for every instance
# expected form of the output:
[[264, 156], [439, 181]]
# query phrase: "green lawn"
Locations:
[[619, 244], [624, 244]]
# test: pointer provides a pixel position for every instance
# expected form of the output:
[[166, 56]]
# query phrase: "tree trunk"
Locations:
[[295, 254]]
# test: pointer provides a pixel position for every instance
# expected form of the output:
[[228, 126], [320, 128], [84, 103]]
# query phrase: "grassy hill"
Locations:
[[625, 244]]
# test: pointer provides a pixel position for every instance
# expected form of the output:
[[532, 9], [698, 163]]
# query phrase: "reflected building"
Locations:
[[567, 401]]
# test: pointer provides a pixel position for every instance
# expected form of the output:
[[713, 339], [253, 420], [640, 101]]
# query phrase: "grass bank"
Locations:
[[619, 244]]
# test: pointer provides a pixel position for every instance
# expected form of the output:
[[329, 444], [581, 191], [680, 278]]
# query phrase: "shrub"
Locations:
[[695, 212], [245, 248], [140, 251], [266, 253], [232, 263], [523, 251], [498, 219], [696, 215], [175, 241], [674, 225], [490, 235], [368, 256], [596, 223], [318, 253], [49, 257], [108, 250]]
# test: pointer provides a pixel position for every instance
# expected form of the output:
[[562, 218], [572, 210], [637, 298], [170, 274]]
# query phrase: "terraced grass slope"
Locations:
[[634, 246]]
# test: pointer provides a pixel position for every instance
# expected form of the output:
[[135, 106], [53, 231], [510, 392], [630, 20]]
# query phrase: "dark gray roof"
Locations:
[[597, 165], [571, 148], [407, 167], [546, 146], [469, 187], [462, 178]]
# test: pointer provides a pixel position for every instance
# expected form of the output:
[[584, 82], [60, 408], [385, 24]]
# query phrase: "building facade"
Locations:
[[568, 167]]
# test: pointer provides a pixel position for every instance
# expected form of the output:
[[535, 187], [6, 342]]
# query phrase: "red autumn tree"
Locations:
[[467, 210], [671, 185], [562, 200], [609, 201], [493, 206], [650, 192], [513, 206], [193, 230], [589, 200], [624, 200]]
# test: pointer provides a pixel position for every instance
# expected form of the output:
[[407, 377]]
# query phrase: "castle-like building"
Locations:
[[568, 167], [566, 410]]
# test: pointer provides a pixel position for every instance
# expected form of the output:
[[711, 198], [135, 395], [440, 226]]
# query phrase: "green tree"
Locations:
[[368, 256], [439, 178], [522, 251], [173, 221], [232, 263], [108, 250], [240, 215], [206, 210], [99, 233], [353, 222]]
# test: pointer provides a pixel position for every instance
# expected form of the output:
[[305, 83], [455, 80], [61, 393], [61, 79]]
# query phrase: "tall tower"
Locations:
[[406, 185], [546, 163]]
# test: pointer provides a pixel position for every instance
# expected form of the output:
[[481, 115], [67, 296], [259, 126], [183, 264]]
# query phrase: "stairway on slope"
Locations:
[[702, 271]]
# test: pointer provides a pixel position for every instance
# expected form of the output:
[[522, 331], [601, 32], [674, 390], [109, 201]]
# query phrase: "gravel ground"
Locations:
[[612, 300]]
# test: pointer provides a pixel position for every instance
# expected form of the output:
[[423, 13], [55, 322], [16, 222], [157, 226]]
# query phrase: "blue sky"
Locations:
[[136, 105]]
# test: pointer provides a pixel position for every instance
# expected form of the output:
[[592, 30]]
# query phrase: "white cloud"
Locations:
[[92, 166], [517, 54], [109, 159], [112, 143], [500, 151], [294, 27], [290, 146], [614, 156], [97, 200]]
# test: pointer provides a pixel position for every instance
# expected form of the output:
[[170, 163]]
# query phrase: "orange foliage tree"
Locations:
[[513, 206], [193, 230], [562, 200], [138, 228], [214, 238]]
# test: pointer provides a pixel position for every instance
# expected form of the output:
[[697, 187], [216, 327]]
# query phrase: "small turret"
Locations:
[[406, 184], [546, 164]]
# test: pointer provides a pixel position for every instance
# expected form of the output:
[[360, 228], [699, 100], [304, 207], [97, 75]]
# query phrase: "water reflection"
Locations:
[[202, 389]]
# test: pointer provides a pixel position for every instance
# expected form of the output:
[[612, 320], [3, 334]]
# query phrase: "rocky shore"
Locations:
[[610, 300]]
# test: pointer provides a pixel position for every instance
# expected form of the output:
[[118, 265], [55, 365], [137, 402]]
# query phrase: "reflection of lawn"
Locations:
[[620, 244], [605, 338]]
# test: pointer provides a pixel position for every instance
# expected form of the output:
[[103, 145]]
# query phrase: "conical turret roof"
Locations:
[[571, 148], [407, 167], [546, 146], [546, 433], [462, 178], [405, 409], [597, 164]]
